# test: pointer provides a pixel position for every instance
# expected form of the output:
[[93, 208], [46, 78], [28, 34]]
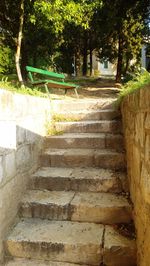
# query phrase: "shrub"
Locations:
[[7, 63], [139, 82]]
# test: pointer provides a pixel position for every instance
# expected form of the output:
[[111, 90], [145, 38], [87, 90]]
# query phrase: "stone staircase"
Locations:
[[76, 204]]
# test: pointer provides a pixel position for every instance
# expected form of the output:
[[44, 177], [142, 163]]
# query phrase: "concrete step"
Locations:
[[29, 262], [57, 241], [87, 104], [79, 179], [85, 140], [103, 126], [83, 158], [93, 207], [86, 115], [71, 242], [118, 250]]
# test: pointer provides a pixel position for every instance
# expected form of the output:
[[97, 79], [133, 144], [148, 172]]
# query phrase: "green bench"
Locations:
[[53, 81]]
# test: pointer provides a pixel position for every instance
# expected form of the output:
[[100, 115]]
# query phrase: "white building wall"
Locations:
[[110, 71], [101, 67], [112, 68]]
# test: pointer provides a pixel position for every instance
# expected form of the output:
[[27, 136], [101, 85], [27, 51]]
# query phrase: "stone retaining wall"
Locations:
[[136, 123], [22, 127]]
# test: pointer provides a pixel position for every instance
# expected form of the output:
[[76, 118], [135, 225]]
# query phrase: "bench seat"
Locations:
[[55, 84]]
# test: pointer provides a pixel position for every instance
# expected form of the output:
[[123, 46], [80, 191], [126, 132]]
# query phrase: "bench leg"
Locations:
[[47, 90], [76, 93], [66, 91]]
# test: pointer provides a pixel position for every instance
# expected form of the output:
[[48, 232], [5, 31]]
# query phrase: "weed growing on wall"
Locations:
[[139, 82], [51, 129], [64, 118]]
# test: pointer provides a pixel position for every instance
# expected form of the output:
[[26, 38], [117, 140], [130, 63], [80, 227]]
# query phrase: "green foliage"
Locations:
[[62, 118], [6, 60], [62, 27], [51, 130], [14, 87], [62, 22], [139, 82], [49, 20], [9, 77], [59, 12], [119, 28], [132, 36]]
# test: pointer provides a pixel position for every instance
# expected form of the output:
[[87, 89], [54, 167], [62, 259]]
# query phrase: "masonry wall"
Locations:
[[22, 128], [136, 123]]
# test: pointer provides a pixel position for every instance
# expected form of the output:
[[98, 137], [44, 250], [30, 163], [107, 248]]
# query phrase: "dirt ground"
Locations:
[[96, 89]]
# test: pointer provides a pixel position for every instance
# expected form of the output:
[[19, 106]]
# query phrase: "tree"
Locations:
[[71, 30], [19, 40], [56, 13], [79, 41], [119, 27], [12, 16]]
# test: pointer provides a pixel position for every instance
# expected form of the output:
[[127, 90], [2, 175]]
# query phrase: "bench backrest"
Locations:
[[43, 72]]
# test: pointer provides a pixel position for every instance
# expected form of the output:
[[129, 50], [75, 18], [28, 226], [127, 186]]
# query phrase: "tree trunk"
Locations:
[[85, 57], [24, 60], [19, 40], [91, 61], [120, 60], [35, 58], [78, 63], [127, 65]]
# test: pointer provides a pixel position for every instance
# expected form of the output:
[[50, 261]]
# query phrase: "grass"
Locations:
[[63, 118], [50, 125], [10, 77], [51, 129], [26, 90], [53, 132], [139, 82], [10, 83]]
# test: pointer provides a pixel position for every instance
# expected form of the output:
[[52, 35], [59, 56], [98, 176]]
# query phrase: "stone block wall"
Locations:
[[136, 124], [22, 128]]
